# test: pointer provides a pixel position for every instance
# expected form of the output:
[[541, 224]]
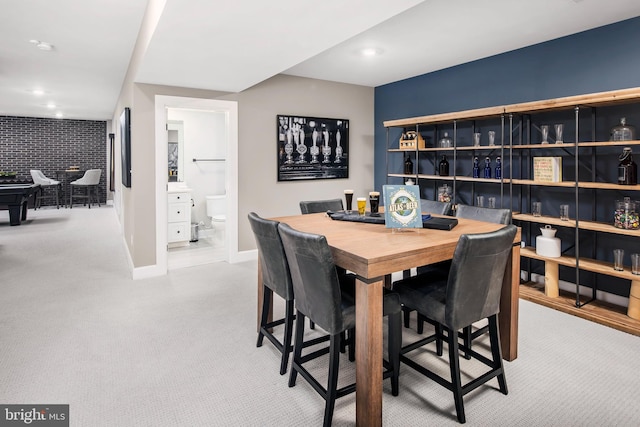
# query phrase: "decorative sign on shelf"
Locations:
[[402, 206], [547, 169]]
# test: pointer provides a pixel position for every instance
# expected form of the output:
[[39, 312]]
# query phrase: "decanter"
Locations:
[[476, 168], [487, 168]]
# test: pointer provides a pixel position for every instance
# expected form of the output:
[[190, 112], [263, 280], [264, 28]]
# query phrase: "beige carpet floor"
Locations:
[[179, 350]]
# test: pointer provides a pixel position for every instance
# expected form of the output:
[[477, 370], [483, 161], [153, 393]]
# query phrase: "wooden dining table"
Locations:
[[373, 252]]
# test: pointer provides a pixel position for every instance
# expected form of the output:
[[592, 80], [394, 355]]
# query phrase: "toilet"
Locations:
[[217, 208]]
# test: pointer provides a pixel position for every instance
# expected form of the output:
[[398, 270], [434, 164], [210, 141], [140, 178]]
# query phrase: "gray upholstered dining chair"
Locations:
[[469, 293], [316, 206], [275, 279], [89, 181], [321, 297], [498, 216], [436, 207], [319, 206], [44, 182]]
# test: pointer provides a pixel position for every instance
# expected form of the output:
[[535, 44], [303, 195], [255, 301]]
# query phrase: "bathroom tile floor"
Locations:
[[210, 247]]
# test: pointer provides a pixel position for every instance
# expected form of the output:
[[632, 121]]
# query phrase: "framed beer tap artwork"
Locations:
[[312, 148]]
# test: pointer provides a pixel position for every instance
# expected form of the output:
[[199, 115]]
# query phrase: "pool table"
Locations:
[[15, 197]]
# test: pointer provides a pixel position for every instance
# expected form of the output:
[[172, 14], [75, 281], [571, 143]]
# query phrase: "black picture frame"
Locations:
[[112, 161], [125, 145], [311, 148]]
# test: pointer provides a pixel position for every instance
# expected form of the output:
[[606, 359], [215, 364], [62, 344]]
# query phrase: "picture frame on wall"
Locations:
[[112, 161], [312, 148], [125, 145]]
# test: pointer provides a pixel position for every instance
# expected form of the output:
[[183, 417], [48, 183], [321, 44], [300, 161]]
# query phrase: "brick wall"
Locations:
[[53, 145]]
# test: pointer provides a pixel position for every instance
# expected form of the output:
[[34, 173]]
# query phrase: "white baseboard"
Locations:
[[244, 256]]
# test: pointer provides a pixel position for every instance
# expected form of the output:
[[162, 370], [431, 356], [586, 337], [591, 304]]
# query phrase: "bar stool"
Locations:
[[40, 178], [89, 182]]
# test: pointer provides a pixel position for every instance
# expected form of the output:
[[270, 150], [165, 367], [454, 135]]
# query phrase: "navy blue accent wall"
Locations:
[[602, 59], [605, 58]]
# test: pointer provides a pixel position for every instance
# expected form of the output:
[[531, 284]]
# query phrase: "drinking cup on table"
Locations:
[[348, 198], [374, 201], [362, 205], [480, 201], [536, 208], [635, 263], [492, 202], [618, 257], [564, 212]]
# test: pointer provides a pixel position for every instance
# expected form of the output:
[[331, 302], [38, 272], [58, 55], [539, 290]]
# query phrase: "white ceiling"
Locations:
[[231, 46]]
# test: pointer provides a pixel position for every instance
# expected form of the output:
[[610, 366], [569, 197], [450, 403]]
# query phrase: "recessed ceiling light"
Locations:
[[370, 51], [41, 45], [37, 92], [59, 115], [51, 105]]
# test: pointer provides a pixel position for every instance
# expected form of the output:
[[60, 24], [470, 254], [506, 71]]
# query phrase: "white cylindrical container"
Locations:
[[548, 245]]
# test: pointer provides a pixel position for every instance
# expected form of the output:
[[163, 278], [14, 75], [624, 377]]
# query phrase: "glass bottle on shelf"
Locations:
[[443, 166], [498, 170], [623, 131], [408, 165], [445, 141], [444, 193], [487, 168], [627, 168], [476, 168], [625, 215]]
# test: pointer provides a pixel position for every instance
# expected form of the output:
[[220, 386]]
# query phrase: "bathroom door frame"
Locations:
[[162, 103]]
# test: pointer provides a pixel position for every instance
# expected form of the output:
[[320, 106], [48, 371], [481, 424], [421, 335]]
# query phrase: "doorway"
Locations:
[[198, 116]]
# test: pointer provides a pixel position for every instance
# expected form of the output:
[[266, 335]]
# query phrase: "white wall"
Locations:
[[204, 137]]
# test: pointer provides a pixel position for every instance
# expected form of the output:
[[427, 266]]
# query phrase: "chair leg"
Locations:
[[439, 338], [297, 348], [395, 344], [266, 302], [420, 327], [406, 311], [456, 382], [496, 352], [352, 344], [466, 338], [332, 383], [288, 330]]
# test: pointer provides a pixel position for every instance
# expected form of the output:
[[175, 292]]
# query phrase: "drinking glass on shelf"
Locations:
[[492, 138], [492, 202], [476, 139], [618, 259], [559, 128], [564, 212], [536, 208], [545, 133], [635, 264], [480, 201]]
